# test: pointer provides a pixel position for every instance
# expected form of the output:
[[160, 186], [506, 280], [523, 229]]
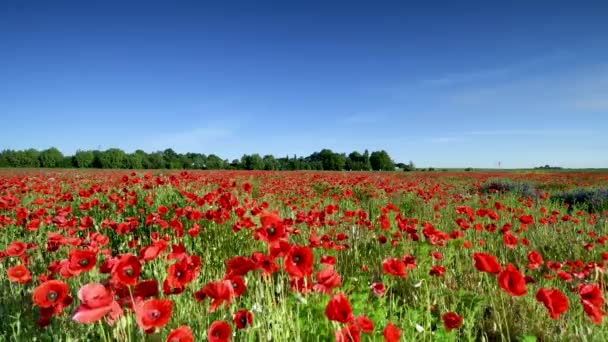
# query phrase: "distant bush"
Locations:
[[468, 169], [524, 189], [591, 200]]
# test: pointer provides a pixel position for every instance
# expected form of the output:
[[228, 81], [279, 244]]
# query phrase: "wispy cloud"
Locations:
[[530, 132], [493, 73]]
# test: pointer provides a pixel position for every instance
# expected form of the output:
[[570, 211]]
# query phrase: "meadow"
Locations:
[[117, 255]]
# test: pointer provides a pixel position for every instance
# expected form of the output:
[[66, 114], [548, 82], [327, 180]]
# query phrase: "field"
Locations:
[[301, 256]]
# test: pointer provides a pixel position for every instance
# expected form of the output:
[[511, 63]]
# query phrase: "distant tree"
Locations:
[[381, 161], [270, 163], [112, 158], [84, 159], [51, 157], [409, 167], [214, 162]]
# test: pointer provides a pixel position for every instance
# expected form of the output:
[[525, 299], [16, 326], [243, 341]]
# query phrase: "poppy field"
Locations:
[[116, 255]]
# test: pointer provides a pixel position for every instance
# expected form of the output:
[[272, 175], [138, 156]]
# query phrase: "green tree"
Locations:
[[51, 157], [84, 159], [112, 158], [381, 161]]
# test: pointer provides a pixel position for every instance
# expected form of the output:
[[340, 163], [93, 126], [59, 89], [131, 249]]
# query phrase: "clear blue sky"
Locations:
[[451, 83]]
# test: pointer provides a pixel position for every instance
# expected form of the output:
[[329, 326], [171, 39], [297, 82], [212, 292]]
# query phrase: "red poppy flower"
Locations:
[[181, 334], [16, 249], [179, 274], [50, 293], [437, 271], [349, 333], [327, 280], [272, 228], [534, 260], [97, 301], [299, 261], [218, 291], [239, 266], [555, 301], [486, 263], [81, 260], [378, 289], [391, 333], [394, 266], [126, 269], [19, 274], [243, 319], [451, 321], [512, 281], [219, 331], [592, 300], [338, 309], [364, 324], [153, 313]]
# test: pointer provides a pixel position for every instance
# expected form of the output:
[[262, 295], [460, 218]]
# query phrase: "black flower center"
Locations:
[[243, 320], [83, 262], [155, 314], [128, 271], [296, 259], [271, 230]]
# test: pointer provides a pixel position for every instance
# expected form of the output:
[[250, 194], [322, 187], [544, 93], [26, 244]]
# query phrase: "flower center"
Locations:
[[83, 262], [128, 271], [178, 274], [296, 259], [52, 296], [155, 314], [271, 230]]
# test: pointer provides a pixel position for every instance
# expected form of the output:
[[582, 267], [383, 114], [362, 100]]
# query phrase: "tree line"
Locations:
[[114, 158]]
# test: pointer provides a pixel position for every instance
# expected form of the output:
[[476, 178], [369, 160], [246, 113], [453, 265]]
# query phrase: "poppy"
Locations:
[[364, 324], [50, 293], [181, 334], [272, 228], [391, 333], [534, 260], [96, 301], [81, 260], [592, 300], [126, 269], [19, 274], [512, 281], [394, 267], [153, 313], [299, 261], [338, 309], [179, 274], [486, 263], [451, 320], [349, 333], [16, 249], [218, 291], [555, 301], [243, 319], [219, 331], [327, 280], [378, 289]]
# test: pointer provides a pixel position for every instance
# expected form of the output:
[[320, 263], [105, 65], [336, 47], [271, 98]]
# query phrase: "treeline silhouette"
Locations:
[[115, 158]]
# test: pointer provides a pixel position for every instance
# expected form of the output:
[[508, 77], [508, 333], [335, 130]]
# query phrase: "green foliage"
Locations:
[[115, 158], [51, 157], [381, 161], [84, 159]]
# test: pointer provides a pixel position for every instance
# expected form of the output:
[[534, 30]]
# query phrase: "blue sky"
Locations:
[[443, 84]]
